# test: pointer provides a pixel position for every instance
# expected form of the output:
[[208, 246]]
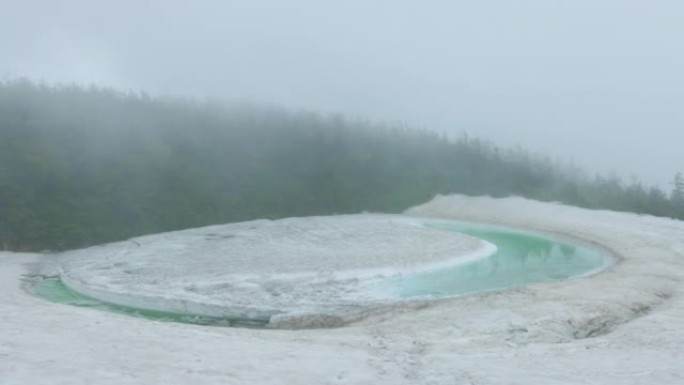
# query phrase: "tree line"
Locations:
[[83, 166]]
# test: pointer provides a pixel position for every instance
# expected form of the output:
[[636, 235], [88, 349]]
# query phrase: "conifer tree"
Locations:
[[677, 196]]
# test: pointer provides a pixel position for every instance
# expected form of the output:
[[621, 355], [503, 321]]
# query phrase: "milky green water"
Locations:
[[521, 258], [54, 290]]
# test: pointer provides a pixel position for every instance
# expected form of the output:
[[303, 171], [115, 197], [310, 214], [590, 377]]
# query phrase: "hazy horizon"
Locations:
[[596, 83]]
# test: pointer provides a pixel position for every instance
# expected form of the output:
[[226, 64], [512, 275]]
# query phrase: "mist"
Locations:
[[594, 83]]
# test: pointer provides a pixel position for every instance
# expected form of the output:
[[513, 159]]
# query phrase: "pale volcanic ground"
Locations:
[[624, 325]]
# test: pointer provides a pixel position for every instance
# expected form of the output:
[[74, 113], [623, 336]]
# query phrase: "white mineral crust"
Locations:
[[316, 270], [620, 326]]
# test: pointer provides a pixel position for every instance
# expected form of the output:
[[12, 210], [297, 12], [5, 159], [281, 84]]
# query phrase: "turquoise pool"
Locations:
[[521, 258]]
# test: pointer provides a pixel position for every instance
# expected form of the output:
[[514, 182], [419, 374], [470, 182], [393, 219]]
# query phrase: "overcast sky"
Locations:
[[597, 82]]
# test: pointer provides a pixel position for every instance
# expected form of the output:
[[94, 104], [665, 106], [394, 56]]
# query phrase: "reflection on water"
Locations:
[[520, 259]]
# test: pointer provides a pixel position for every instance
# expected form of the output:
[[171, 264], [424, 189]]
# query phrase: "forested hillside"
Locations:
[[86, 166]]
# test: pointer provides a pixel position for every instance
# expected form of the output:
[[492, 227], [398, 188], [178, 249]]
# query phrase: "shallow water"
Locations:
[[54, 290], [521, 258]]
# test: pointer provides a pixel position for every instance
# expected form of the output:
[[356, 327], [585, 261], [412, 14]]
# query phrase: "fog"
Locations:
[[598, 83]]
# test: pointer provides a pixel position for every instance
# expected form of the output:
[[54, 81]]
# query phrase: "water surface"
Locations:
[[521, 258], [54, 290]]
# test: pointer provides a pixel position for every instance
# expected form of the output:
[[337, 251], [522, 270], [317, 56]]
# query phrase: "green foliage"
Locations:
[[86, 166]]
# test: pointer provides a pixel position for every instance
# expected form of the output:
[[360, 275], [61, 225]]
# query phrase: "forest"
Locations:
[[81, 166]]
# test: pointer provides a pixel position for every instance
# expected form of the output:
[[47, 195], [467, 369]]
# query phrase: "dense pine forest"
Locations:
[[82, 166]]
